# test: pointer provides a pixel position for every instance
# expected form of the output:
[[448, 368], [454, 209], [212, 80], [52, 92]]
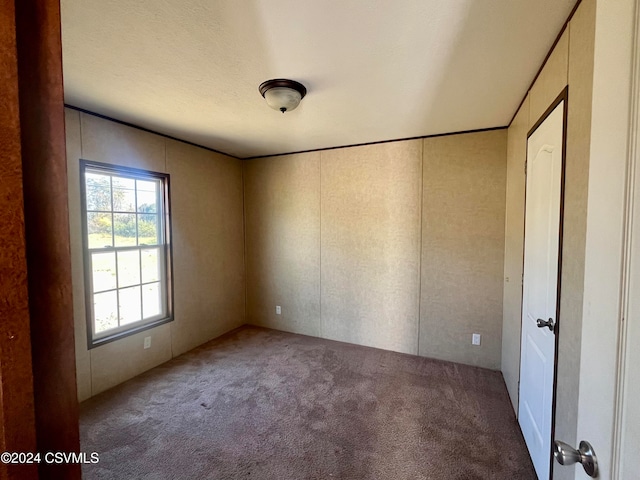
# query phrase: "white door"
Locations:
[[540, 287]]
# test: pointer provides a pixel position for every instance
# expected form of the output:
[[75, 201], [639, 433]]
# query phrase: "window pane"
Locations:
[[147, 196], [98, 191], [151, 301], [124, 194], [128, 268], [148, 229], [130, 308], [99, 230], [103, 266], [124, 226], [105, 311], [150, 265]]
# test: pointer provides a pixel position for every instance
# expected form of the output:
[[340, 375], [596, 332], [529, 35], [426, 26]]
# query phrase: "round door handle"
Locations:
[[551, 323], [567, 455]]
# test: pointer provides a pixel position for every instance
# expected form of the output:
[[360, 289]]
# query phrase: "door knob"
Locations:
[[551, 323], [567, 455]]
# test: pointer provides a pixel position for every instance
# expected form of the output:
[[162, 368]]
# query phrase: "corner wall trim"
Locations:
[[127, 124], [479, 130]]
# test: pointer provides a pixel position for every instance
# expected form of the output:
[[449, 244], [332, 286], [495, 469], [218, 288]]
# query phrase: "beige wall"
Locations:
[[208, 244], [551, 81], [463, 247], [513, 250], [283, 242], [370, 244], [334, 238], [571, 63], [580, 80], [206, 201]]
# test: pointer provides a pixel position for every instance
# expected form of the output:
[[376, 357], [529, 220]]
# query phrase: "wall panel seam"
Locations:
[[320, 326], [566, 80], [166, 169], [420, 252], [244, 236]]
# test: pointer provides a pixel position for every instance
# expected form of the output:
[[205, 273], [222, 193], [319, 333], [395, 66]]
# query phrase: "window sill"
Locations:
[[120, 335]]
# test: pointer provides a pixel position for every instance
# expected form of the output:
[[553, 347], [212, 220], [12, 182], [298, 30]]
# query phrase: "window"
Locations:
[[127, 250]]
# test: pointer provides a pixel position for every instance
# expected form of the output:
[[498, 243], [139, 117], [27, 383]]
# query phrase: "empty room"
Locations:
[[280, 239]]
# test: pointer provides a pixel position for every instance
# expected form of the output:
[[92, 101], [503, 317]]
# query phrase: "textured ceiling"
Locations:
[[374, 69]]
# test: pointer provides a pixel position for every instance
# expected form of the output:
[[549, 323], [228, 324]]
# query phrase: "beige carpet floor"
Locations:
[[263, 404]]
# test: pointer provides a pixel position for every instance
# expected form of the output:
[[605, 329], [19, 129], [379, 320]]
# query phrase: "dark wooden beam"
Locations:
[[44, 169], [17, 432]]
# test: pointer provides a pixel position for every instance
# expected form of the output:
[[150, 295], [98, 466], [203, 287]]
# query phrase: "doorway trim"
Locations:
[[562, 97], [46, 227], [631, 204]]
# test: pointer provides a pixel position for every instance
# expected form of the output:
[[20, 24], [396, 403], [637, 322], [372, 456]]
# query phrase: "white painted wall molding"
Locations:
[[626, 410]]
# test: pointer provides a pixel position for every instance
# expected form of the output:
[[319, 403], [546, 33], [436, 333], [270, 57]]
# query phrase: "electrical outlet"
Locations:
[[147, 342], [278, 310], [475, 339]]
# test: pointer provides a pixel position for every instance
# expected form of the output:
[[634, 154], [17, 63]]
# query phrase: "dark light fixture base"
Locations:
[[282, 82]]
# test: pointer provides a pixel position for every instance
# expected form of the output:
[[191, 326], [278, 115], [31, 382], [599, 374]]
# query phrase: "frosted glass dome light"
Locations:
[[281, 94]]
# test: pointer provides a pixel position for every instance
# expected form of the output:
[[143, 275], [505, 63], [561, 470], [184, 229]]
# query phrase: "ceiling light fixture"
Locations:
[[282, 94]]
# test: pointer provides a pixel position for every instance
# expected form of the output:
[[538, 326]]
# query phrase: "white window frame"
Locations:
[[163, 245]]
